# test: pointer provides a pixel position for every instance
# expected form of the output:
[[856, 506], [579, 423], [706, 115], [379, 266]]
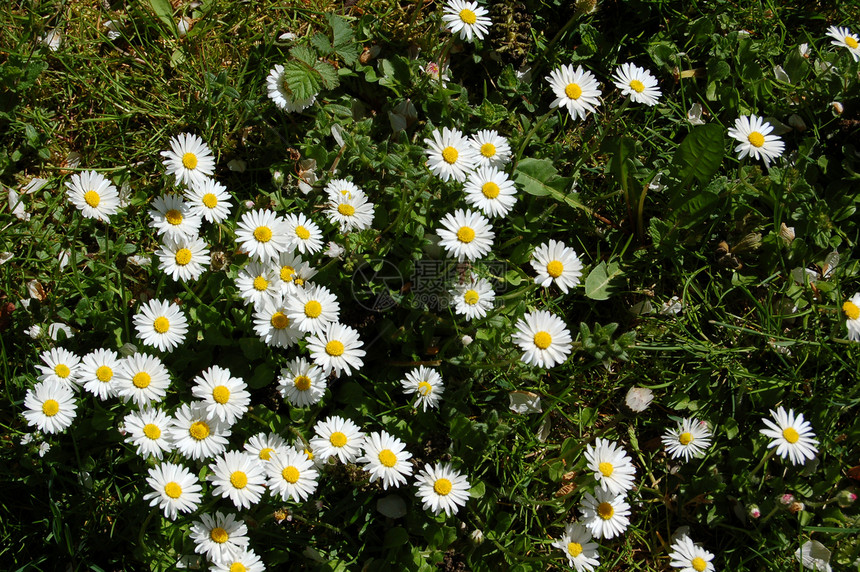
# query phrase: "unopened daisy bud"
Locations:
[[278, 178], [249, 204], [466, 339], [837, 107], [753, 511], [786, 499], [584, 7], [476, 536], [845, 498], [786, 232], [796, 507]]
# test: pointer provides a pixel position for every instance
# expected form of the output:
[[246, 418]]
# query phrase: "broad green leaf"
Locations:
[[699, 155], [304, 54], [540, 178], [328, 74], [164, 11], [343, 39], [304, 82], [598, 284]]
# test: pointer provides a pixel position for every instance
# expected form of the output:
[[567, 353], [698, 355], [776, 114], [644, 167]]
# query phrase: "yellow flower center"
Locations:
[[756, 139], [543, 340], [287, 273], [189, 161], [199, 430], [387, 458], [488, 150], [851, 42], [605, 510], [260, 283], [173, 490], [183, 256], [302, 383], [334, 348], [606, 469], [152, 431], [442, 486], [851, 310], [468, 16], [299, 282], [266, 454], [313, 309], [263, 233], [337, 439], [309, 454], [466, 234], [280, 320], [555, 268], [173, 217], [685, 438], [161, 324], [104, 374], [698, 563], [471, 297], [637, 86], [573, 91], [141, 380], [221, 394], [62, 370], [238, 479], [425, 388], [345, 209], [238, 567], [790, 434], [290, 474], [302, 232], [50, 407], [574, 549], [219, 535], [449, 155], [210, 201], [92, 198], [490, 190]]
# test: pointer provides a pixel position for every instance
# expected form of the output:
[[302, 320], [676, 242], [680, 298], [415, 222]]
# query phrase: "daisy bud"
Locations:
[[753, 511], [786, 499], [786, 232], [584, 7], [278, 178], [466, 340], [796, 507], [476, 536], [837, 107], [638, 399], [845, 498]]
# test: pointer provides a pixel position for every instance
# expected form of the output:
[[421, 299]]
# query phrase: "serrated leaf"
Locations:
[[343, 39], [322, 44], [699, 155], [328, 74], [304, 82], [304, 53], [598, 284]]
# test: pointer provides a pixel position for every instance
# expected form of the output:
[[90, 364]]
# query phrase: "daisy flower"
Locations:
[[171, 217], [337, 349], [544, 338], [852, 317], [425, 382], [142, 378], [303, 234], [490, 190], [386, 459], [147, 429], [262, 234], [273, 326], [291, 474], [161, 324], [577, 90], [225, 396], [189, 159], [239, 477], [219, 537], [792, 436], [576, 544], [93, 195], [441, 489], [262, 446], [209, 200], [556, 263], [449, 155], [491, 149], [257, 284], [753, 132], [293, 272], [689, 439], [60, 365], [638, 83], [196, 434], [605, 514], [843, 37], [473, 298], [689, 557], [175, 489], [350, 212], [282, 95], [50, 406], [337, 188], [183, 258], [337, 437], [301, 383], [611, 466], [96, 373], [246, 560], [313, 309], [467, 19], [466, 235]]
